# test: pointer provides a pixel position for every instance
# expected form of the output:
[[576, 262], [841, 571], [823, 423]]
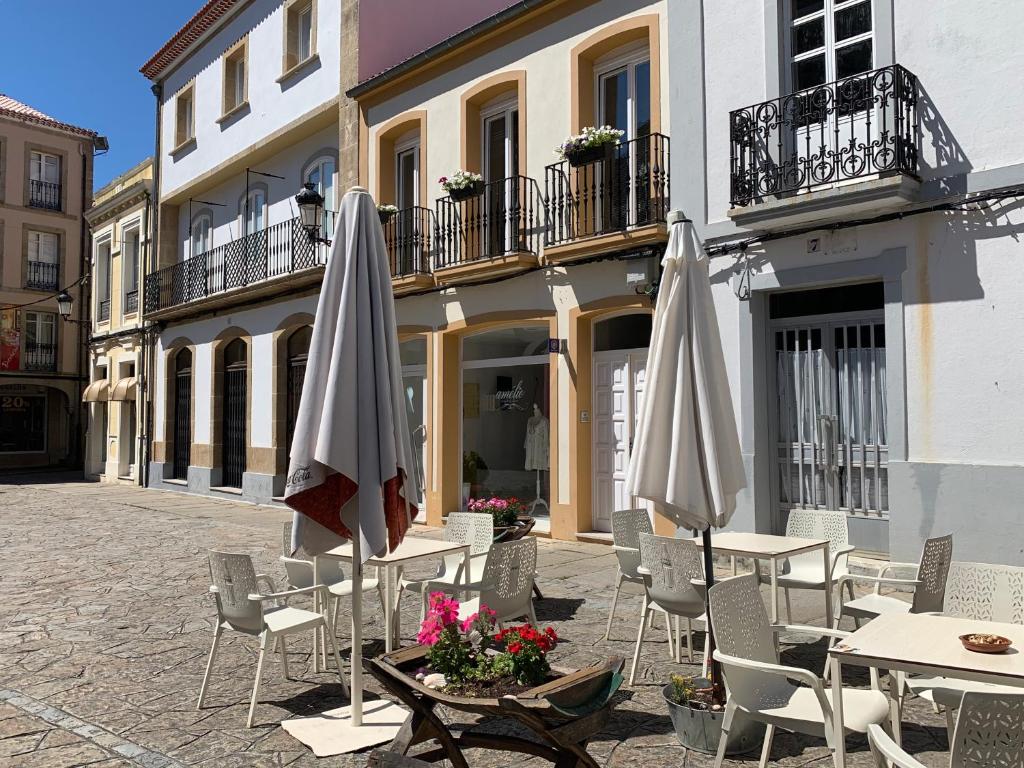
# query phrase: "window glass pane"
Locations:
[[305, 33], [809, 72], [855, 20], [406, 179], [808, 36], [413, 351], [805, 7], [642, 89], [495, 153], [853, 59], [506, 342], [615, 101]]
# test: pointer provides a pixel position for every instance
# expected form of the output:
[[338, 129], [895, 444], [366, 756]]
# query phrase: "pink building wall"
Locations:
[[391, 31]]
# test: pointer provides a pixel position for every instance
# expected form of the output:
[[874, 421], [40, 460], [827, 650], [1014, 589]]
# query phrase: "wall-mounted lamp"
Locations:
[[311, 210]]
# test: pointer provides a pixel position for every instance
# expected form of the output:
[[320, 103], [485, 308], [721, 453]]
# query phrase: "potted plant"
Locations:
[[697, 719], [462, 185], [474, 472], [385, 212], [591, 145], [506, 512]]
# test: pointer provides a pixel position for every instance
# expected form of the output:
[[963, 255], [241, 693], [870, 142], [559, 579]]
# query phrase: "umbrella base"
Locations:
[[332, 732]]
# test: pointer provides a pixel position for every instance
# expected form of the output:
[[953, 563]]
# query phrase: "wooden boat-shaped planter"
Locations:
[[565, 712]]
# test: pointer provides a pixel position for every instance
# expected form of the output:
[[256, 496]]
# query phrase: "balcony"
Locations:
[[131, 301], [248, 266], [408, 235], [851, 144], [103, 311], [42, 276], [493, 233], [39, 357], [613, 203], [44, 194]]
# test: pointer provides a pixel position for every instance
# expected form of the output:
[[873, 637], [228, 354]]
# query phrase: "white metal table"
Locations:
[[925, 644], [412, 548], [763, 546]]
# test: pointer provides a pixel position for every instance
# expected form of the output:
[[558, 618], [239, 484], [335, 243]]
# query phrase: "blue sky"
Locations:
[[78, 60]]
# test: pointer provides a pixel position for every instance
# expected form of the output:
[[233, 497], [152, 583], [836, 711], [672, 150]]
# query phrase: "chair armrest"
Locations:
[[288, 593], [780, 670], [879, 580], [881, 744], [620, 548], [296, 561], [825, 631], [269, 581], [643, 571]]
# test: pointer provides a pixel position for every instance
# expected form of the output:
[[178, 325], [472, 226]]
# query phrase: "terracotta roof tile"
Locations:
[[10, 107], [193, 29]]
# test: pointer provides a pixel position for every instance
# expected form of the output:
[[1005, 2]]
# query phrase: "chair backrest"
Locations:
[[299, 568], [471, 528], [673, 564], [985, 592], [989, 731], [932, 572], [742, 629], [235, 579], [509, 573], [819, 524], [627, 525]]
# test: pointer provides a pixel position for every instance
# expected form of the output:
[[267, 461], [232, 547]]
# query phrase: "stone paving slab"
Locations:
[[105, 624]]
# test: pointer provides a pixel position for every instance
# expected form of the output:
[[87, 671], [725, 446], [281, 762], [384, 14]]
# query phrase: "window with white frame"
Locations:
[[131, 246], [41, 340], [624, 91], [828, 40], [44, 180], [299, 33], [322, 174], [201, 234], [254, 211], [103, 277], [44, 167], [42, 260], [184, 109], [407, 171], [236, 86], [500, 145]]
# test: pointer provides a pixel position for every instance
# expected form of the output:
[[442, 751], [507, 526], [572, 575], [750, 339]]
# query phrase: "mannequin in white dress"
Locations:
[[538, 450]]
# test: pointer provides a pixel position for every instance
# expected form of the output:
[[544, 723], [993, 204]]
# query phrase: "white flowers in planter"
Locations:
[[591, 137], [387, 209], [459, 180]]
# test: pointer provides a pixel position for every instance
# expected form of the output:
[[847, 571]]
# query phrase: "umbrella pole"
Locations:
[[356, 656], [709, 580]]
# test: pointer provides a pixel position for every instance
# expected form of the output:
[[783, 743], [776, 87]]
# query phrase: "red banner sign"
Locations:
[[10, 342]]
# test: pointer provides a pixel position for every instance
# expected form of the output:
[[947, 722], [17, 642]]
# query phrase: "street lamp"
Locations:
[[64, 302], [311, 209]]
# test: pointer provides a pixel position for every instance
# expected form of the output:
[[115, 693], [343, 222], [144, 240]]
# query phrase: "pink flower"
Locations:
[[430, 632]]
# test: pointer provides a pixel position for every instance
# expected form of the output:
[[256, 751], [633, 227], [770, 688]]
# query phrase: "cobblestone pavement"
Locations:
[[105, 623]]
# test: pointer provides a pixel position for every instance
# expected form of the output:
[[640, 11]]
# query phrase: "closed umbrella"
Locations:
[[686, 457], [351, 457]]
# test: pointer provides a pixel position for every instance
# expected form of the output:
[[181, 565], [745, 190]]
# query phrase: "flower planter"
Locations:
[[589, 155], [701, 729], [465, 193], [385, 216]]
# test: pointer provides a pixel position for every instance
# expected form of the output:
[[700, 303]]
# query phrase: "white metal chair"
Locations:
[[506, 586], [980, 592], [989, 733], [627, 525], [673, 582], [807, 571], [761, 688], [929, 585], [241, 608], [471, 528]]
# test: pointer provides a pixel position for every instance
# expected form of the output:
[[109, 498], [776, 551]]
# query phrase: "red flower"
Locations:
[[514, 648]]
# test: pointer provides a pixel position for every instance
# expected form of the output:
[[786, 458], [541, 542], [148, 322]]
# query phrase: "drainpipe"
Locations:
[[82, 338], [149, 266], [142, 392]]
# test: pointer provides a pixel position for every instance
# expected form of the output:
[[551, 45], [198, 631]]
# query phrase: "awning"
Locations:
[[125, 389], [97, 392]]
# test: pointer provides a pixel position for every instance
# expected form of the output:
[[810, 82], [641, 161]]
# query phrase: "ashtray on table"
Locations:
[[983, 642]]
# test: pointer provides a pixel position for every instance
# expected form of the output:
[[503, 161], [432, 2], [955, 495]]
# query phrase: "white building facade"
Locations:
[[250, 108], [872, 345]]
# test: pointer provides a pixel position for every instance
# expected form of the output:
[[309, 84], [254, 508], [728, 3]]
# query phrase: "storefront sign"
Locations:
[[10, 342], [510, 399], [22, 422]]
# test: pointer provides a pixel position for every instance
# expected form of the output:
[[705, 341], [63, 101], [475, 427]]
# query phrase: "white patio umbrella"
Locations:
[[349, 475], [686, 456]]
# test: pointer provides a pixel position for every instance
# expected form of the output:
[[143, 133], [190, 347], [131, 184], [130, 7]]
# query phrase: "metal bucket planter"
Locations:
[[578, 157], [701, 729], [465, 193]]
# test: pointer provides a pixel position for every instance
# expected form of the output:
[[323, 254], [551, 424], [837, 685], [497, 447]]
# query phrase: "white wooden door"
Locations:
[[619, 378]]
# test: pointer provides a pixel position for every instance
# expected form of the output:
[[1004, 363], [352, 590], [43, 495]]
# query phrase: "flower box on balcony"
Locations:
[[588, 155], [385, 216], [460, 194]]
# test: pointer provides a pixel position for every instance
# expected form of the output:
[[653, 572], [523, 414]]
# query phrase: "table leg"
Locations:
[[396, 621], [828, 585], [465, 573], [838, 732], [317, 635], [735, 571], [773, 564], [895, 711], [388, 608]]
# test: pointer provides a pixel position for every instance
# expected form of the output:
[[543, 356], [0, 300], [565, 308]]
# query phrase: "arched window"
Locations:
[[254, 211], [201, 234], [298, 351], [233, 421], [322, 173], [182, 413]]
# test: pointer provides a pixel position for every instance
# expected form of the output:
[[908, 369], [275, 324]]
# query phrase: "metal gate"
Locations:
[[182, 422], [233, 425], [830, 415]]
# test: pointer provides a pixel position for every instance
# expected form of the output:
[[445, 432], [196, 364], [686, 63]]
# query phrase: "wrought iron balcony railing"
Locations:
[[42, 276], [504, 217], [409, 234], [44, 194], [280, 249], [103, 310], [131, 301], [627, 187], [853, 128], [39, 356]]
